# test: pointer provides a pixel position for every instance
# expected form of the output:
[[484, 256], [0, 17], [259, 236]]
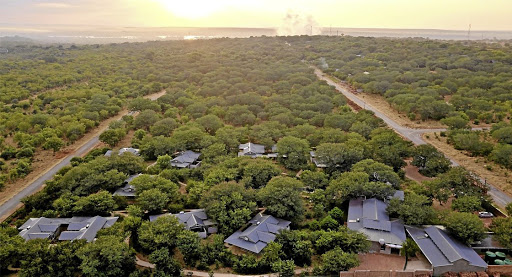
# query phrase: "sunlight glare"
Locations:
[[193, 9]]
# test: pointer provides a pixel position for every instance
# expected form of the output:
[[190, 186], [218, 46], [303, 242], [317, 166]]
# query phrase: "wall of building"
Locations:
[[503, 269], [458, 266], [390, 273]]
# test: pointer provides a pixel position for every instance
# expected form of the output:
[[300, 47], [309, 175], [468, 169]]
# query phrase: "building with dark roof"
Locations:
[[127, 190], [4, 50], [254, 150], [369, 216], [186, 159], [194, 220], [69, 228], [260, 231], [315, 161], [121, 151], [445, 253]]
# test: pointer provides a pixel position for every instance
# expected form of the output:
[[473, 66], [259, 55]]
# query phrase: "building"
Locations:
[[194, 220], [315, 161], [121, 151], [186, 159], [445, 253], [4, 50], [74, 228], [260, 231], [369, 216], [127, 190], [252, 150]]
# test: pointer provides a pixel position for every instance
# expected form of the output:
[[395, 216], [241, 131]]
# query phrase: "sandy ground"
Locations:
[[413, 173], [45, 160], [377, 261], [499, 176]]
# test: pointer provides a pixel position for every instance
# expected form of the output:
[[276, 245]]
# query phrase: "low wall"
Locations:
[[389, 273], [503, 269]]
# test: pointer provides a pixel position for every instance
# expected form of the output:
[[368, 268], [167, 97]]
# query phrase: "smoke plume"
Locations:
[[296, 24]]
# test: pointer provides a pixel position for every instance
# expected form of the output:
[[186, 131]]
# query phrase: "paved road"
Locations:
[[414, 135], [14, 203]]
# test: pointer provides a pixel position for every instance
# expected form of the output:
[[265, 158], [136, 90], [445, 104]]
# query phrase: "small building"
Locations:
[[261, 230], [252, 150], [74, 228], [121, 151], [444, 253], [186, 159], [314, 160], [369, 216], [4, 50], [194, 220], [127, 190]]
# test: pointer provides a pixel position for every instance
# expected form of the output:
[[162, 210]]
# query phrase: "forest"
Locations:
[[221, 93]]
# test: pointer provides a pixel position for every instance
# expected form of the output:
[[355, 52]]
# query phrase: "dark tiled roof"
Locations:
[[262, 230], [191, 219], [185, 159], [441, 249], [370, 217]]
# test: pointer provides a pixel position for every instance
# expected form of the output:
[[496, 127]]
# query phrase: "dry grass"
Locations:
[[499, 176]]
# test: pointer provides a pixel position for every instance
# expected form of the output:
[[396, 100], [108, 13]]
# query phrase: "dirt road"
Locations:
[[11, 205], [414, 135]]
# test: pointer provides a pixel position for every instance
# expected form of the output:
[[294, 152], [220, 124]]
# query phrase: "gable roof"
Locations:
[[262, 230], [185, 158], [371, 218], [249, 149], [441, 249], [78, 227], [127, 190], [191, 219]]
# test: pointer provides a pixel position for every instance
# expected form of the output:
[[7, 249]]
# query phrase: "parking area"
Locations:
[[375, 261]]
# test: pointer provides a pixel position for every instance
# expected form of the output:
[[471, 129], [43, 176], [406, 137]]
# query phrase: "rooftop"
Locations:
[[371, 218], [194, 219], [440, 249], [261, 230], [185, 159], [77, 227], [127, 190], [121, 151]]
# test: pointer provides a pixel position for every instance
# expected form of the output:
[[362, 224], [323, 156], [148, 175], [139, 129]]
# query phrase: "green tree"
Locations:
[[282, 198], [107, 256], [146, 119], [163, 127], [329, 223], [100, 203], [152, 200], [211, 123], [161, 233], [409, 248], [355, 184], [430, 161], [293, 152], [338, 156], [53, 143], [467, 204], [257, 172], [230, 205], [378, 172], [165, 264], [337, 260], [314, 179], [111, 137], [466, 227], [414, 210], [285, 268], [337, 214], [10, 245], [189, 245]]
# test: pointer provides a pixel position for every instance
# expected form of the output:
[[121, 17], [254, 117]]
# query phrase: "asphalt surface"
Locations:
[[414, 135], [7, 208]]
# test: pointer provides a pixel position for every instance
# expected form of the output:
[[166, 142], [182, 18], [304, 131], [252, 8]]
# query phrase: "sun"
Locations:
[[193, 9]]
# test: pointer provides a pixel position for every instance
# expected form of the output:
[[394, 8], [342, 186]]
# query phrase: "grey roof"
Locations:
[[371, 218], [251, 149], [185, 159], [315, 161], [488, 243], [121, 151], [78, 227], [262, 230], [441, 249], [399, 194], [192, 219], [127, 190]]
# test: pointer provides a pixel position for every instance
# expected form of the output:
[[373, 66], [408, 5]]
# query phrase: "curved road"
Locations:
[[7, 208], [414, 135]]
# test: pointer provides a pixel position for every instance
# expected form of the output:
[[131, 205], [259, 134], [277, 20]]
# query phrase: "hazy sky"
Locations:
[[426, 14]]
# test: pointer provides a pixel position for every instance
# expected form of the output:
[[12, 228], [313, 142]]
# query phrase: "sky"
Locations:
[[407, 14]]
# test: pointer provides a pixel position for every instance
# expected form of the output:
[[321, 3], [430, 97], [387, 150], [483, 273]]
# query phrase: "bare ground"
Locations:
[[499, 177]]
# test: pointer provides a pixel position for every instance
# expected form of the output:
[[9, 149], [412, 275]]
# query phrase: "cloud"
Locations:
[[54, 5]]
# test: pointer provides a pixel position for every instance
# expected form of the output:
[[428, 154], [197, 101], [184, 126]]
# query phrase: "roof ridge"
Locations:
[[446, 242]]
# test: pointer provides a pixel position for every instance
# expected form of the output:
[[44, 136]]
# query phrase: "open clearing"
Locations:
[[499, 176]]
